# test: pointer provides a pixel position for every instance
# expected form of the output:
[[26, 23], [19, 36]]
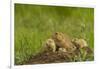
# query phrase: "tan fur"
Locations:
[[50, 44], [80, 42], [63, 41], [62, 50]]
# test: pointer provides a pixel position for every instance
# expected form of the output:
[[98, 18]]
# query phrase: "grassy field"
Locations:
[[36, 23]]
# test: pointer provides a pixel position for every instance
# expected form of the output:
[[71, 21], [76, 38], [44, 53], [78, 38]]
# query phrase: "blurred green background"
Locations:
[[36, 23]]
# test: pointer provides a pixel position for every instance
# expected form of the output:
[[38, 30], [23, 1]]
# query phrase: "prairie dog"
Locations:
[[63, 41], [50, 44], [62, 50], [80, 42]]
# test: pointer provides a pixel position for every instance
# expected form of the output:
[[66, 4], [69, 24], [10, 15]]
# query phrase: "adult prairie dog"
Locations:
[[63, 41]]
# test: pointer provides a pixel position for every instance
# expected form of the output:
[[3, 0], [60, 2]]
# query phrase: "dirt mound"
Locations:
[[58, 57]]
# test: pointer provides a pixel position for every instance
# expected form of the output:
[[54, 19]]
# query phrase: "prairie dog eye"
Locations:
[[56, 33]]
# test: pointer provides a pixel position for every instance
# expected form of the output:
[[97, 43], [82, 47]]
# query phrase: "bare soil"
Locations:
[[56, 57]]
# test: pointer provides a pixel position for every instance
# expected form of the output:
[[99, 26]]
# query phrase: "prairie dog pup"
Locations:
[[63, 41], [50, 44], [80, 42], [62, 50]]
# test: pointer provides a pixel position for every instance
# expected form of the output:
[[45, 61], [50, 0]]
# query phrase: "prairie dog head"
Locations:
[[58, 36], [50, 44], [80, 42]]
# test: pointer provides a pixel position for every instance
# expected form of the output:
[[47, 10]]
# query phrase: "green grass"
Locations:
[[36, 23]]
